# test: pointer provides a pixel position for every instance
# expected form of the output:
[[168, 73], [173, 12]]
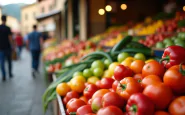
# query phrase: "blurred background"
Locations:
[[81, 18]]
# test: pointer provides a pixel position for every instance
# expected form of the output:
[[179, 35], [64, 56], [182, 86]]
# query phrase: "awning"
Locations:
[[50, 14]]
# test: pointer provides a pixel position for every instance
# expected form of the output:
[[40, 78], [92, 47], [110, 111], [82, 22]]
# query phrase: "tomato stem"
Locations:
[[124, 86], [167, 58], [72, 113], [133, 108], [182, 71]]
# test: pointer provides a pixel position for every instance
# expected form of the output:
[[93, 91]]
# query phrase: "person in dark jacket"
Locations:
[[6, 46], [34, 44]]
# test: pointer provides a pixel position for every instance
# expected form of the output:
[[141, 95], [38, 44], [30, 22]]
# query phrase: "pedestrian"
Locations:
[[34, 44], [19, 43], [6, 46]]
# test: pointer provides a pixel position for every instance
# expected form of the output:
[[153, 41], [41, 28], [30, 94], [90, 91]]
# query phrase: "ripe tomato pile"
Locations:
[[131, 86]]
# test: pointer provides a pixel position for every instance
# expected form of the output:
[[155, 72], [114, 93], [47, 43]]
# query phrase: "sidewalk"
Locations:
[[22, 95]]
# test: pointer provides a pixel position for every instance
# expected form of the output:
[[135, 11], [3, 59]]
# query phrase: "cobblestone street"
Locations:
[[22, 95]]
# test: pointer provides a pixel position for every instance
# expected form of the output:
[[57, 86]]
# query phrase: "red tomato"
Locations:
[[127, 87], [161, 113], [121, 72], [89, 102], [70, 95], [96, 104], [90, 114], [138, 77], [74, 105], [106, 83], [90, 90], [83, 110], [114, 85], [160, 94], [98, 83], [175, 79], [150, 79], [153, 68], [114, 99], [100, 93], [65, 100], [110, 110], [83, 98], [177, 106]]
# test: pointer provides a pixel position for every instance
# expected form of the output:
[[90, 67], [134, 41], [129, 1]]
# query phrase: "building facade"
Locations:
[[28, 17]]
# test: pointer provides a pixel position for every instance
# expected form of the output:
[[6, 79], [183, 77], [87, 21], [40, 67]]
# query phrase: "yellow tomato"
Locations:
[[112, 66], [80, 78], [149, 60], [77, 85], [62, 89], [107, 74], [92, 80], [128, 61]]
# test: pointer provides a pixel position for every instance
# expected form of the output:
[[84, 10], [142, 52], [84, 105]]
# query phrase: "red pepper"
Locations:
[[139, 104], [173, 55]]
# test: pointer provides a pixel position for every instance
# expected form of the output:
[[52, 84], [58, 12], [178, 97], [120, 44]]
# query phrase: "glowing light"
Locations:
[[123, 6], [101, 11], [183, 8], [108, 8]]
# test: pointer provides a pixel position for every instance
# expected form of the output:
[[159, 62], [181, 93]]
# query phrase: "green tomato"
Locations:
[[159, 45], [166, 40], [98, 72], [107, 63], [169, 44], [180, 44], [140, 56], [122, 56], [97, 63], [178, 40], [78, 73], [87, 73]]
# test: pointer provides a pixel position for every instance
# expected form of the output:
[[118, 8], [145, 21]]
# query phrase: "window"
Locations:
[[42, 9], [26, 16], [34, 14], [50, 7]]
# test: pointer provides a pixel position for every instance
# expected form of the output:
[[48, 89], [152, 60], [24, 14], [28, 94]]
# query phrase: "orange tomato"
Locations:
[[100, 93], [127, 62], [175, 79], [177, 106], [161, 113], [138, 77], [160, 94], [153, 68], [62, 89], [150, 79], [77, 85], [137, 66], [83, 98], [127, 87]]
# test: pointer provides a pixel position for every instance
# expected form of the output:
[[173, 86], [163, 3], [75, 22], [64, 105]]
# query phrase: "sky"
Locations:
[[5, 2]]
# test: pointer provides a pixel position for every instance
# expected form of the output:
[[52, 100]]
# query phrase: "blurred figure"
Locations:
[[25, 38], [34, 44], [6, 46], [19, 43], [170, 7]]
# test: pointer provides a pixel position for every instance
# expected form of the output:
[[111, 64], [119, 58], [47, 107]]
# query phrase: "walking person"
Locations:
[[6, 46], [34, 44], [19, 43]]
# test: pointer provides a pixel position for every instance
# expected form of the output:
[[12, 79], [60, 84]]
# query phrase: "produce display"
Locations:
[[121, 74], [122, 81]]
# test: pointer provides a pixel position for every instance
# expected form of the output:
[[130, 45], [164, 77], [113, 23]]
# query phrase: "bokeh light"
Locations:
[[123, 6], [101, 11], [183, 8], [108, 8]]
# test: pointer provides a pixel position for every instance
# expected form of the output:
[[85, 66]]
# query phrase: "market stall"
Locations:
[[120, 72]]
